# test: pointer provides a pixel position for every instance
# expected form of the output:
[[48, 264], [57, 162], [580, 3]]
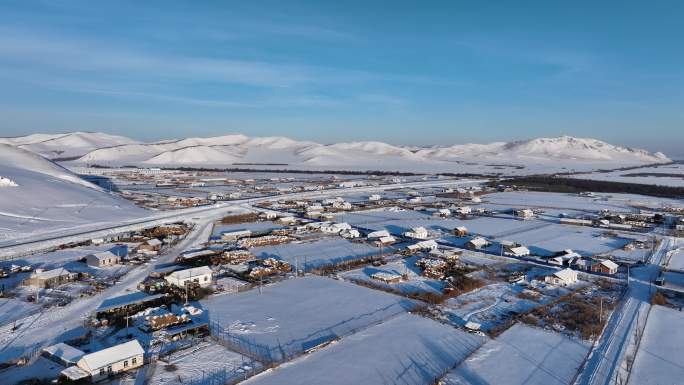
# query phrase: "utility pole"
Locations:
[[601, 311]]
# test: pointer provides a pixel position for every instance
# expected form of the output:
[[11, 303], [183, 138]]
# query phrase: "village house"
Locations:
[[384, 241], [386, 277], [350, 233], [417, 233], [462, 210], [605, 266], [477, 243], [374, 197], [518, 251], [562, 277], [335, 228], [107, 362], [102, 259], [581, 264], [268, 215], [46, 279], [200, 275], [443, 213], [427, 245], [63, 354], [460, 231]]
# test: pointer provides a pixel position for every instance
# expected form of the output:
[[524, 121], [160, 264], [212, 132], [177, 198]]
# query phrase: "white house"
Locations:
[[351, 233], [334, 228], [201, 275], [444, 212], [374, 197], [417, 233], [461, 231], [102, 259], [385, 240], [462, 210], [562, 277], [110, 361], [524, 213], [427, 245], [477, 243]]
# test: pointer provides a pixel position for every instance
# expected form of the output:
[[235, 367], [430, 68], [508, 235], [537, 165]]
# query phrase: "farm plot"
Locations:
[[206, 363], [414, 282], [330, 251], [405, 350], [298, 314], [491, 305], [522, 355], [659, 359]]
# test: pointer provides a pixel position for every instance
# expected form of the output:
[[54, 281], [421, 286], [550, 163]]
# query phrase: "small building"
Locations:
[[562, 277], [349, 234], [384, 241], [63, 354], [581, 264], [427, 245], [460, 231], [605, 266], [417, 233], [111, 361], [374, 197], [518, 251], [462, 210], [386, 277], [201, 275], [335, 228], [443, 212], [46, 279], [477, 243], [102, 259]]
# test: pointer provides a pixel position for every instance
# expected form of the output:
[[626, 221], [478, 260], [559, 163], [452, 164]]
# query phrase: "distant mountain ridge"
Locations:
[[540, 154]]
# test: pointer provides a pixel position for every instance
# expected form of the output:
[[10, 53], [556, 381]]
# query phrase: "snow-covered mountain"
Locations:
[[43, 195], [69, 145], [521, 157]]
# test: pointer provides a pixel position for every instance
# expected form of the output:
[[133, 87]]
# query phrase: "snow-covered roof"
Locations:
[[379, 234], [609, 264], [192, 272], [74, 373], [64, 352], [520, 250], [479, 241], [462, 228], [566, 274], [109, 356], [126, 299], [104, 255], [388, 239], [431, 244], [48, 274], [154, 242]]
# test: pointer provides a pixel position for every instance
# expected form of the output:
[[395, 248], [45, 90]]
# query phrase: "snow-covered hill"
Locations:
[[522, 157], [46, 196], [61, 146]]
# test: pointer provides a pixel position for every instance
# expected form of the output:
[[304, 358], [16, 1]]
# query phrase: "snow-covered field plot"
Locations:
[[489, 305], [292, 316], [659, 359], [522, 355], [416, 283], [560, 202], [208, 361], [309, 255], [13, 309], [404, 350], [663, 175]]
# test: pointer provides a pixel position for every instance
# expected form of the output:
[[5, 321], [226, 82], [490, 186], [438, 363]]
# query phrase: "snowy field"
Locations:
[[294, 315], [663, 175], [405, 350], [416, 283], [207, 361], [316, 254], [676, 261], [522, 356], [13, 309], [659, 360]]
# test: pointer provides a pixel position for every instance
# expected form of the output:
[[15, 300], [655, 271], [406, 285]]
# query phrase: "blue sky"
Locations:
[[404, 72]]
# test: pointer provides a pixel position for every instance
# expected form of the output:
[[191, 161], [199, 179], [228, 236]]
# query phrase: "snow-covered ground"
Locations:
[[663, 175], [208, 361], [522, 355], [49, 197], [404, 350], [659, 360], [318, 253], [294, 315]]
